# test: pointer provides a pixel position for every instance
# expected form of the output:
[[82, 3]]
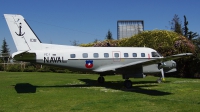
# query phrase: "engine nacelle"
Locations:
[[167, 65], [161, 65]]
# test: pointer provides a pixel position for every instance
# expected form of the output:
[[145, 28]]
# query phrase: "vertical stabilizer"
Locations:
[[23, 36]]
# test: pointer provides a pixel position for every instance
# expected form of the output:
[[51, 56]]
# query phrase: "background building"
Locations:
[[128, 28]]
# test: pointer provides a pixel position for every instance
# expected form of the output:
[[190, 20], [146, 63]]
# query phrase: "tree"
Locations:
[[188, 34], [109, 35], [176, 25], [74, 43], [185, 28], [192, 35], [5, 50], [4, 47], [96, 40]]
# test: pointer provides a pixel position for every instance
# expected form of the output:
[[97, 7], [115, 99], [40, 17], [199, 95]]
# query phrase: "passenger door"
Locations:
[[116, 55]]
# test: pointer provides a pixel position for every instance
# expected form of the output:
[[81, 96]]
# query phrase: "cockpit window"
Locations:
[[155, 54]]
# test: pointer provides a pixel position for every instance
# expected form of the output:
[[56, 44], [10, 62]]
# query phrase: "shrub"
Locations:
[[14, 68], [60, 71], [1, 67], [43, 70], [29, 69], [112, 43]]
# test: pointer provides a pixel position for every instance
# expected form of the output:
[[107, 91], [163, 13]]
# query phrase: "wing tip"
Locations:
[[189, 54]]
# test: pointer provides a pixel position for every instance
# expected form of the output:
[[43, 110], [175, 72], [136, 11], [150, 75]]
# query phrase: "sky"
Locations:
[[63, 21]]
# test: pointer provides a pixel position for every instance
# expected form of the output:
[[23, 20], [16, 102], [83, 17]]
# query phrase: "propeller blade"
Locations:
[[161, 65]]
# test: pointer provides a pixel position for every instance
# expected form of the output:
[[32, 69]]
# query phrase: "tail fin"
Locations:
[[24, 37]]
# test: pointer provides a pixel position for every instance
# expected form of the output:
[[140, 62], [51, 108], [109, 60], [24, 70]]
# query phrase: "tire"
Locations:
[[159, 80], [128, 84], [101, 80]]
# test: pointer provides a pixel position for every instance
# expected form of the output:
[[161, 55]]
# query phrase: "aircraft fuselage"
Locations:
[[95, 58]]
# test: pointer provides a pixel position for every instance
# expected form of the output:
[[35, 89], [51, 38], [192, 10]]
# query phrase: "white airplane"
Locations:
[[131, 62]]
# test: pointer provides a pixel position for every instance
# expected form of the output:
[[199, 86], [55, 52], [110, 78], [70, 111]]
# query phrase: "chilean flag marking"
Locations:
[[89, 63]]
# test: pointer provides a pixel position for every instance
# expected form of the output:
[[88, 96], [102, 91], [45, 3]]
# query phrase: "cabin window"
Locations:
[[116, 55], [125, 54], [95, 55], [134, 54], [106, 55], [85, 55], [155, 54], [142, 54], [72, 55]]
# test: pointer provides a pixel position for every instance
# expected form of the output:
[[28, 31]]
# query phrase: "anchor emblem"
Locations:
[[20, 30]]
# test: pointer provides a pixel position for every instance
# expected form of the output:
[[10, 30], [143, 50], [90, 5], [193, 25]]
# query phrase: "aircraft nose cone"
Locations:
[[173, 64]]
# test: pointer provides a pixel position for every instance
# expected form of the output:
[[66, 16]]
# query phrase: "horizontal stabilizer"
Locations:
[[24, 56]]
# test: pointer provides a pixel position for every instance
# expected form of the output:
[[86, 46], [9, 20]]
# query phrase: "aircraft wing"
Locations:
[[177, 56], [154, 61], [138, 63]]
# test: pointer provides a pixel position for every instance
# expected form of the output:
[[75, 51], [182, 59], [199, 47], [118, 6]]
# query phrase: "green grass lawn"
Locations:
[[27, 92]]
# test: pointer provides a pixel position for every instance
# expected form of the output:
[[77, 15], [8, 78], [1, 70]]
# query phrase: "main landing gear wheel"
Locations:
[[101, 80], [159, 80], [128, 84]]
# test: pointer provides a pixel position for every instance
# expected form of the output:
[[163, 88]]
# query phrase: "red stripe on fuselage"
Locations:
[[148, 56]]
